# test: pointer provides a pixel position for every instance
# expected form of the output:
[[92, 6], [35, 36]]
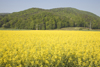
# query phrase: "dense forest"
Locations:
[[42, 19]]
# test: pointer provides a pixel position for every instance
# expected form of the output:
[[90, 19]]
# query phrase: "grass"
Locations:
[[12, 29], [67, 28], [78, 28]]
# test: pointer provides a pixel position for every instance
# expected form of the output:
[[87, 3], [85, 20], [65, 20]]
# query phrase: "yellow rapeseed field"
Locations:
[[49, 48]]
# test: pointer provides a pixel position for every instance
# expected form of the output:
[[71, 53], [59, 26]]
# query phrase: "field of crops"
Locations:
[[33, 48]]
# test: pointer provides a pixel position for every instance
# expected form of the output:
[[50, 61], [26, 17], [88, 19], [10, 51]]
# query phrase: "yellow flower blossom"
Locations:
[[45, 48]]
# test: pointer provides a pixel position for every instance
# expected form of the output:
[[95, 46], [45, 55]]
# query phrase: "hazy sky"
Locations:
[[9, 6]]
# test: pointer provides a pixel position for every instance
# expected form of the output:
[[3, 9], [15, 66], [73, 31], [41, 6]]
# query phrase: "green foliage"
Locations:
[[36, 18], [80, 29]]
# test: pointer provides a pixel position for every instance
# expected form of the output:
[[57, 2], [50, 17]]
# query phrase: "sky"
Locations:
[[9, 6]]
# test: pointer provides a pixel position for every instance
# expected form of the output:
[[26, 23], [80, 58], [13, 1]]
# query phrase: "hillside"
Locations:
[[36, 18]]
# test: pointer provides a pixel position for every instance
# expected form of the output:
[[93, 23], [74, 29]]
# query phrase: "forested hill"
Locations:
[[36, 18]]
